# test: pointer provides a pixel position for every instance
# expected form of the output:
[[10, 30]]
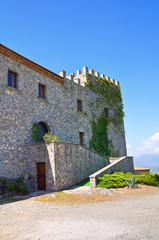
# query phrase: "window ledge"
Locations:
[[43, 99], [13, 89], [82, 113]]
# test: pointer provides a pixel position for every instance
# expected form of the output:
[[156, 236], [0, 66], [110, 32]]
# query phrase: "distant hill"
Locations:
[[147, 161]]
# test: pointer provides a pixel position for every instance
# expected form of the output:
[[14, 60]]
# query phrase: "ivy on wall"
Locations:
[[35, 132], [99, 141], [108, 94]]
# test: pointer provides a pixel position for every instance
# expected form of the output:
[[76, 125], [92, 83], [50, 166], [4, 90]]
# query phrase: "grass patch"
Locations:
[[85, 182], [119, 179], [62, 198], [59, 198]]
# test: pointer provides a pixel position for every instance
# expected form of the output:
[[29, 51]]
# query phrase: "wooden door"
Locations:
[[41, 177]]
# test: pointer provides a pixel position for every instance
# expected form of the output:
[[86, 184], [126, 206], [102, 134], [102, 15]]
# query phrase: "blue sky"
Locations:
[[118, 38]]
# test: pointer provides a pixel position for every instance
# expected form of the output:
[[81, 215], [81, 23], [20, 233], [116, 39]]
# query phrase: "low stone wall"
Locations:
[[66, 163], [123, 164], [74, 163]]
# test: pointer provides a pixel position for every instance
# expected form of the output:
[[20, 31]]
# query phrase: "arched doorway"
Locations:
[[42, 130]]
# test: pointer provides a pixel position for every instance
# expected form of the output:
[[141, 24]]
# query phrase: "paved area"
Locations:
[[130, 218]]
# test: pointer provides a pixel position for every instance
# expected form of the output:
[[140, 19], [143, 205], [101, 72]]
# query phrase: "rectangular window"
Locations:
[[12, 79], [81, 136], [106, 112], [79, 105], [41, 91]]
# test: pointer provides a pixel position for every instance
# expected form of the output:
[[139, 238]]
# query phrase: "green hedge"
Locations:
[[119, 179]]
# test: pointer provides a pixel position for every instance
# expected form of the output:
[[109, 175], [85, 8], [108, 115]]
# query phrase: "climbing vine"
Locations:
[[107, 94], [35, 132], [99, 141]]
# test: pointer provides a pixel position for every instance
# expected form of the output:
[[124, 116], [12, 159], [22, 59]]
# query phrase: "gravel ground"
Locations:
[[130, 218]]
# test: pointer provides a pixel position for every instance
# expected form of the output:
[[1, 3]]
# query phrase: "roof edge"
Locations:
[[34, 66]]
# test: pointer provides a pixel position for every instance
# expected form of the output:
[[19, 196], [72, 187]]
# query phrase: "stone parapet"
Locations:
[[82, 76], [123, 164]]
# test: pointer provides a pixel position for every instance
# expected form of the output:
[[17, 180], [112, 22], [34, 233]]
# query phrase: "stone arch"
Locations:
[[43, 128]]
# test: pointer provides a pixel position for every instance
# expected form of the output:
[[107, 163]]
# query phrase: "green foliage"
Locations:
[[108, 94], [16, 186], [148, 179], [3, 185], [99, 140], [35, 132], [85, 113], [131, 183], [85, 182], [11, 186], [21, 188], [114, 180], [19, 180], [120, 179], [113, 153], [26, 174], [49, 138]]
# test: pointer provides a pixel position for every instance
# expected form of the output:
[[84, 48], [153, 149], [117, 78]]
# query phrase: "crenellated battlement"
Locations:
[[80, 77]]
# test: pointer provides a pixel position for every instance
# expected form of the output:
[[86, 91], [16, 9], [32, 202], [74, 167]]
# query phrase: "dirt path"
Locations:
[[128, 216]]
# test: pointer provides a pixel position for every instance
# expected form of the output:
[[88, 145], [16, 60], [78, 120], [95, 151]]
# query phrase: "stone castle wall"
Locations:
[[21, 107], [66, 163]]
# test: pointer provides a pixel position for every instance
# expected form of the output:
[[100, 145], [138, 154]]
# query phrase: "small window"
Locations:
[[106, 112], [81, 136], [79, 105], [41, 91], [12, 79]]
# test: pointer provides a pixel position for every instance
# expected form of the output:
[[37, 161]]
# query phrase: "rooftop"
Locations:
[[34, 66]]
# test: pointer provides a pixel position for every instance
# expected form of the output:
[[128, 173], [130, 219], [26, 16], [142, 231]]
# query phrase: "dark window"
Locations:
[[12, 79], [42, 130], [106, 112], [41, 91], [79, 105], [81, 135]]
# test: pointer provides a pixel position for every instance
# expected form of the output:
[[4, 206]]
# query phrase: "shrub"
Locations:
[[49, 138], [119, 179], [148, 179], [3, 185], [11, 186], [112, 181], [21, 188], [16, 186], [19, 180]]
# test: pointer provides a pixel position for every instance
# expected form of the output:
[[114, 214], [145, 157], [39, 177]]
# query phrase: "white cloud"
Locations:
[[149, 145]]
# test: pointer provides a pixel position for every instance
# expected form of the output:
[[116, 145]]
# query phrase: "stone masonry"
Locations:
[[20, 107], [66, 163]]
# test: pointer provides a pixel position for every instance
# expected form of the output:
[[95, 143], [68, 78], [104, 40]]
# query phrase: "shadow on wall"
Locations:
[[43, 128]]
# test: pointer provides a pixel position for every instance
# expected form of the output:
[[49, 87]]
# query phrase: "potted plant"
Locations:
[[26, 176]]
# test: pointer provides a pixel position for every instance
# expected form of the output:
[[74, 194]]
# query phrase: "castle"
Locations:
[[59, 104]]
